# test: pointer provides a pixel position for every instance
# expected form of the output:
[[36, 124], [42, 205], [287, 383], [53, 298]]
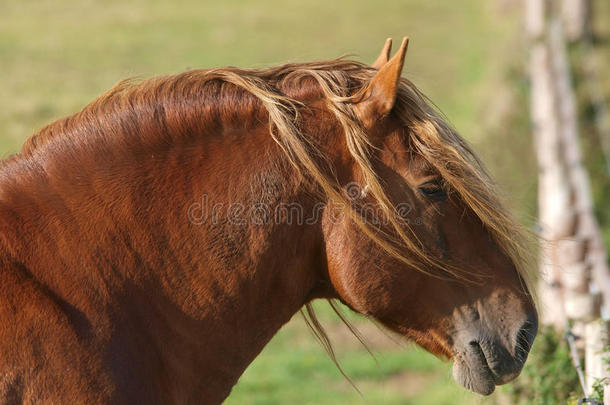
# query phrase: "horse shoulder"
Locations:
[[42, 359]]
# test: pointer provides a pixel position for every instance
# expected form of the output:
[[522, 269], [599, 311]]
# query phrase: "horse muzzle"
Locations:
[[483, 359]]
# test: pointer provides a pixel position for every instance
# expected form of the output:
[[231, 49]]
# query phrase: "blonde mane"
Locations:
[[337, 80]]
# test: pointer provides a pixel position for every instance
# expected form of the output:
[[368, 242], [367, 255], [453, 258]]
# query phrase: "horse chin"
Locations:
[[473, 374]]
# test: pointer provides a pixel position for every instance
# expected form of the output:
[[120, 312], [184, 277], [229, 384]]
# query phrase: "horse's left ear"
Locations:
[[376, 99]]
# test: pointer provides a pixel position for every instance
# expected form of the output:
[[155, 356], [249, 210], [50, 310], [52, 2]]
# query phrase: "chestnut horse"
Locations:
[[153, 243]]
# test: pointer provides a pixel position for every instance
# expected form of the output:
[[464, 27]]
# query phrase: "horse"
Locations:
[[154, 242]]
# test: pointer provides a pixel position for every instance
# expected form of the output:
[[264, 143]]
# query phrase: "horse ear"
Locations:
[[384, 56], [376, 99]]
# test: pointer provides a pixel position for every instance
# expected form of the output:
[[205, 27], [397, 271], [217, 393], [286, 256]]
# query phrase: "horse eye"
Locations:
[[433, 189]]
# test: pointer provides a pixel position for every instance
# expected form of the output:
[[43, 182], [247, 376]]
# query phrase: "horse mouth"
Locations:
[[472, 371]]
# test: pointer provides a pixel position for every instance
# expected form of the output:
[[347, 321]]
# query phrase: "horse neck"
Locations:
[[120, 238]]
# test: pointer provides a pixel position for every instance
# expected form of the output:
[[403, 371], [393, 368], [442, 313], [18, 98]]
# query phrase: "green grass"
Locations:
[[592, 145], [294, 368], [57, 55]]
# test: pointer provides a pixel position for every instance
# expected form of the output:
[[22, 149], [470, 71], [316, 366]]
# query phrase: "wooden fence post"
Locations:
[[596, 368], [573, 256], [576, 16], [553, 194]]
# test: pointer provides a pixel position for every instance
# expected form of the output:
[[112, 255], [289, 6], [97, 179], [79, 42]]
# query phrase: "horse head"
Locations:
[[427, 248]]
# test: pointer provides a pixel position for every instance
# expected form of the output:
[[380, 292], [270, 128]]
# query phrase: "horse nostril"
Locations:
[[525, 338]]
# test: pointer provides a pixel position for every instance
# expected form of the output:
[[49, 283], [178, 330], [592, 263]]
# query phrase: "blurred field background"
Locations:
[[468, 56]]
